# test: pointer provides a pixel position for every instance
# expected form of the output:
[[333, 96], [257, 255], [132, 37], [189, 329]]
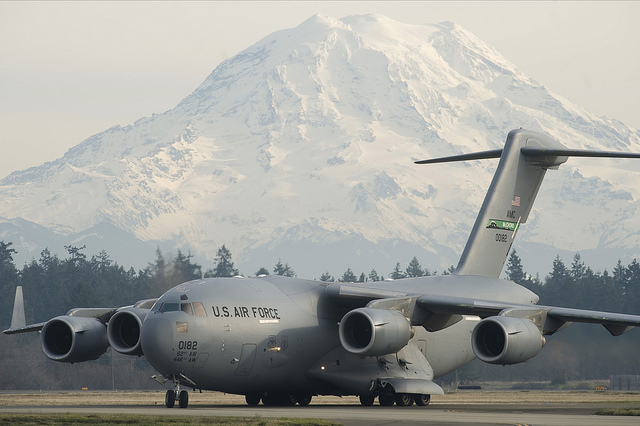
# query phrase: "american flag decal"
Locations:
[[516, 201]]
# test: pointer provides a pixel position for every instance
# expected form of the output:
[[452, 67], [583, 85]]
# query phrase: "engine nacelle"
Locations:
[[74, 339], [373, 332], [506, 340], [124, 330]]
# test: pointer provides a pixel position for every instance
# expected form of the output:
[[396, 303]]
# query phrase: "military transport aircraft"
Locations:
[[283, 340]]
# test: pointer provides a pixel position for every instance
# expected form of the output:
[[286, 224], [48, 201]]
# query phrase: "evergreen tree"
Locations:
[[284, 270], [397, 273], [262, 271], [373, 275], [184, 269], [414, 269], [362, 278], [515, 272], [224, 264], [327, 277], [348, 276]]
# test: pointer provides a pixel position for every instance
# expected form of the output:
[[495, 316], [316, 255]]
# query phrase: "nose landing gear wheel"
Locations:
[[184, 399], [170, 398]]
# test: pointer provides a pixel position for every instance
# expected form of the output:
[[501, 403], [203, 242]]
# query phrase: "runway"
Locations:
[[353, 415]]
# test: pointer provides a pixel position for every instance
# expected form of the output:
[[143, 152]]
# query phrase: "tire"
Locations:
[[170, 398], [303, 399], [386, 400], [404, 400], [422, 400], [367, 400], [183, 400], [252, 399]]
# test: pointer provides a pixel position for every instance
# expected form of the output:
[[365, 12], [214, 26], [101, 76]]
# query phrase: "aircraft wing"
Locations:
[[548, 318]]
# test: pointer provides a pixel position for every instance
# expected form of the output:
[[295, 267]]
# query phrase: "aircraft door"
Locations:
[[247, 358]]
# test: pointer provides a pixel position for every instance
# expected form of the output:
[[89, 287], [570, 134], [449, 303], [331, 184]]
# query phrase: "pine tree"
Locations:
[[262, 271], [327, 277], [224, 264], [397, 273], [348, 276], [373, 275], [515, 272], [414, 269], [284, 270]]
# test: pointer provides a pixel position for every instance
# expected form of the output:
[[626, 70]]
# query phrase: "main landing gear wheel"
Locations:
[[386, 400], [303, 399], [404, 400], [252, 399], [422, 400], [367, 400], [170, 398]]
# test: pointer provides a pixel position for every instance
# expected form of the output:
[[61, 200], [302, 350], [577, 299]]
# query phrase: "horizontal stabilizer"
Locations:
[[494, 153], [533, 151]]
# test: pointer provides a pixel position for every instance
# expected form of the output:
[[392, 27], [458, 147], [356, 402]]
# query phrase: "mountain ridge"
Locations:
[[306, 139]]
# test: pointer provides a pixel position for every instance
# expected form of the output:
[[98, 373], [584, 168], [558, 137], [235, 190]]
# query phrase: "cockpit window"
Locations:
[[156, 307], [169, 307], [198, 307], [186, 308]]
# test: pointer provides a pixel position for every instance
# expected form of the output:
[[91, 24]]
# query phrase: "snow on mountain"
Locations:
[[301, 147]]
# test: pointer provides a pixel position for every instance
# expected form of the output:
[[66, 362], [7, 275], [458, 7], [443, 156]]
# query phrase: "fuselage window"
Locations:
[[169, 307], [186, 308], [198, 307]]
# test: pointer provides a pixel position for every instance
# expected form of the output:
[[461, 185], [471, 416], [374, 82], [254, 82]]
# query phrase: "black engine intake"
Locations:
[[74, 339], [124, 330]]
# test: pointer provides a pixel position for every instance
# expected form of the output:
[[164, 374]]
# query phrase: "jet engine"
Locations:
[[124, 330], [506, 340], [373, 332], [74, 339]]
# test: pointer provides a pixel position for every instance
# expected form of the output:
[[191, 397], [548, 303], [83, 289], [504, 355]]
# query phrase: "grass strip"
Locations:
[[619, 412]]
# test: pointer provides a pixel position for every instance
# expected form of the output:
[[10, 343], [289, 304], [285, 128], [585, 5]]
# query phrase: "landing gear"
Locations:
[[404, 399], [252, 399], [422, 400], [281, 399], [386, 399], [303, 399], [183, 400], [170, 398], [367, 400], [182, 396]]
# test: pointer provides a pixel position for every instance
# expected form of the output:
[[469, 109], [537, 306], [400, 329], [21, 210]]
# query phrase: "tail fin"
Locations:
[[18, 319], [524, 161]]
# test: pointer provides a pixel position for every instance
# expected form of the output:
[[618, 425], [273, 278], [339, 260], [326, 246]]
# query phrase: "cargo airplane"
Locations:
[[281, 341]]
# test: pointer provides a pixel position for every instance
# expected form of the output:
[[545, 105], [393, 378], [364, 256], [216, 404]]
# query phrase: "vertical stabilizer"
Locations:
[[18, 319], [507, 204], [509, 200], [523, 163]]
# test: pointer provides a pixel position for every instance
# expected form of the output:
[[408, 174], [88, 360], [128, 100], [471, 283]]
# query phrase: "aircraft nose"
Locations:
[[157, 343]]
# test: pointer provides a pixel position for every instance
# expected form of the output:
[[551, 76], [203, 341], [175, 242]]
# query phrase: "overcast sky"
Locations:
[[69, 70]]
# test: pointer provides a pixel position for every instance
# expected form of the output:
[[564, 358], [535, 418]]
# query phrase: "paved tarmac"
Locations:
[[354, 415]]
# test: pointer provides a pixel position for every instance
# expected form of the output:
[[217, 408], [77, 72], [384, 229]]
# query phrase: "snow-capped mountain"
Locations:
[[301, 147]]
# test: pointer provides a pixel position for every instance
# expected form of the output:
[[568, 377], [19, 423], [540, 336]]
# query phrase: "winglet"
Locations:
[[18, 319]]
